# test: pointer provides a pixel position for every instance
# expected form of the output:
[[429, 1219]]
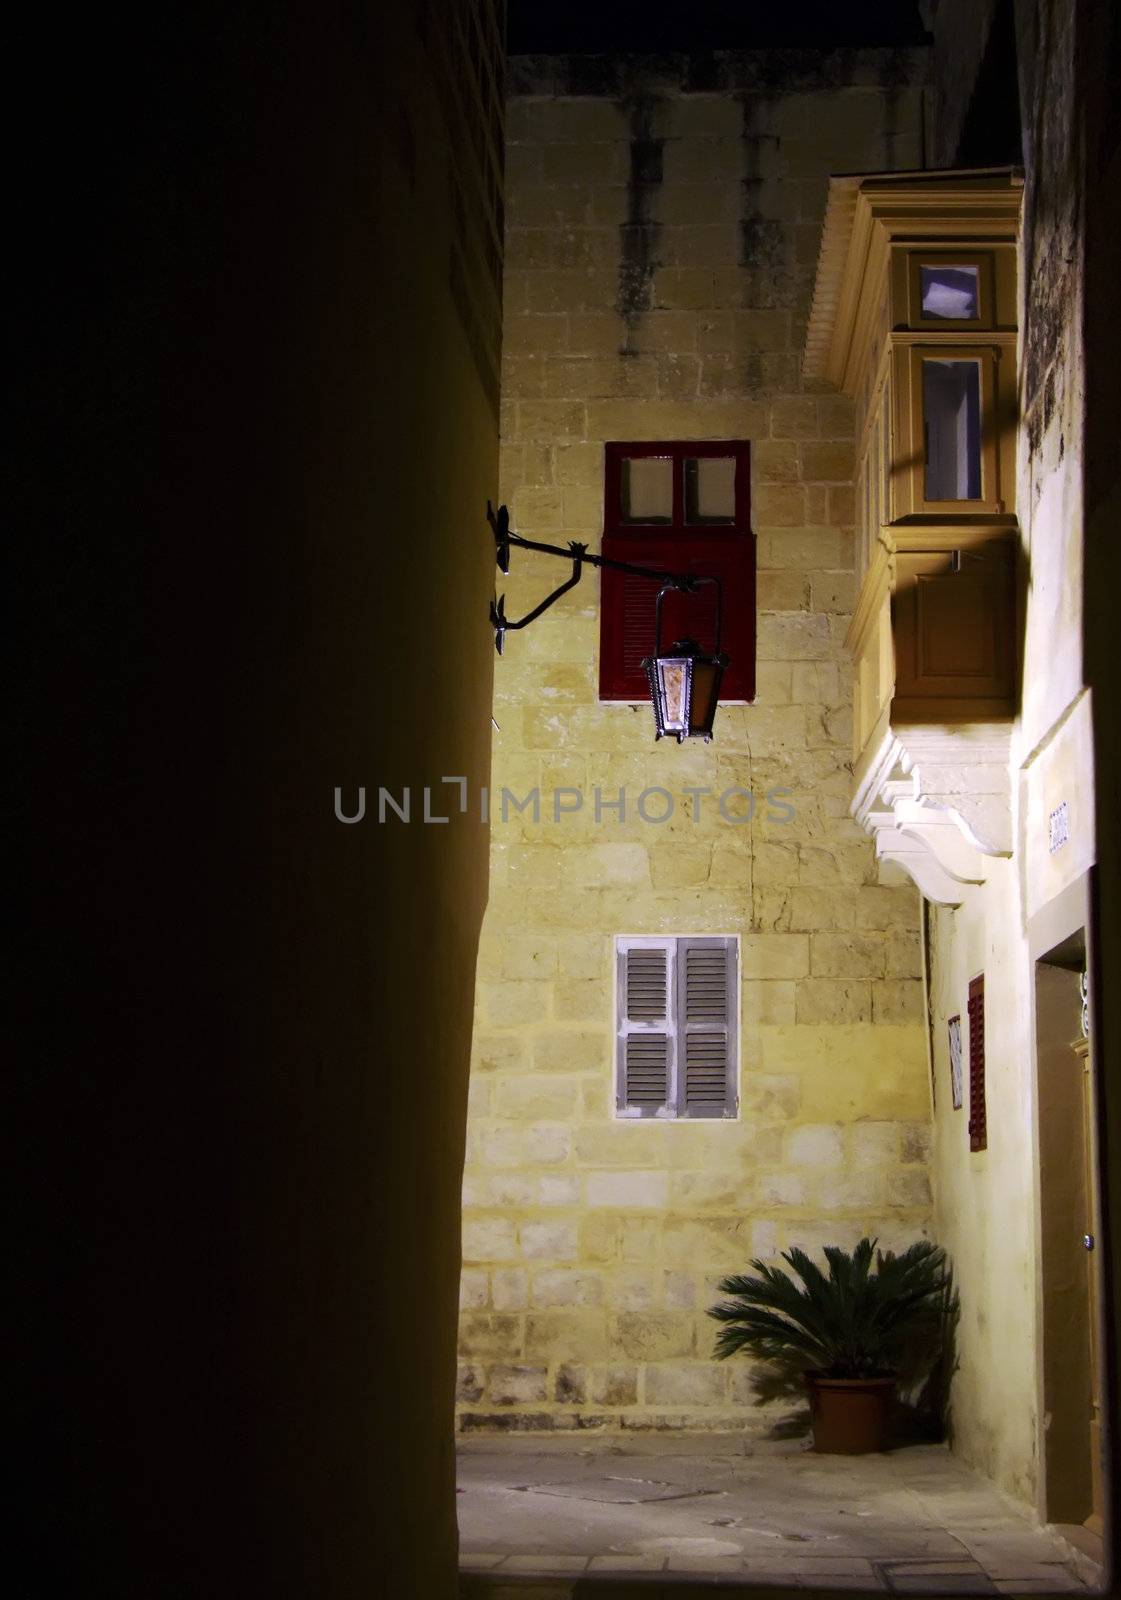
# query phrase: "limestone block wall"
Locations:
[[661, 242]]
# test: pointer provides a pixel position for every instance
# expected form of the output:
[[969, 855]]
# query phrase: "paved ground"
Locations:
[[719, 1509]]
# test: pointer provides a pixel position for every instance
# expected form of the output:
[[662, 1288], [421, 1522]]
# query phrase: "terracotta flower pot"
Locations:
[[850, 1415]]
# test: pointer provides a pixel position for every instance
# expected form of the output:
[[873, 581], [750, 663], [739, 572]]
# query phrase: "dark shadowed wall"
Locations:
[[1098, 58], [260, 432]]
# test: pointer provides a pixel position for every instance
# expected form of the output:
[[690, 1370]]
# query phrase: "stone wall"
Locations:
[[1099, 41], [992, 1205], [229, 1105], [662, 238]]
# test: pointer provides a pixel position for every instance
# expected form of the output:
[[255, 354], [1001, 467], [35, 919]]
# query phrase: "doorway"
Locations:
[[1072, 1481]]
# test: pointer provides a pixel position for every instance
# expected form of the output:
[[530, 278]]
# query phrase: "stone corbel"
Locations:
[[974, 794], [911, 851], [942, 831], [937, 804]]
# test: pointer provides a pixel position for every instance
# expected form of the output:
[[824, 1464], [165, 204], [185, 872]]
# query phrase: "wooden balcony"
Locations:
[[915, 317]]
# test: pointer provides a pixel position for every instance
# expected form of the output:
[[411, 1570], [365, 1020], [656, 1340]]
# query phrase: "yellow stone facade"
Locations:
[[591, 1245]]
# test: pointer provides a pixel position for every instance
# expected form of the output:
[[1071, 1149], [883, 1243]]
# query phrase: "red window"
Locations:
[[681, 507]]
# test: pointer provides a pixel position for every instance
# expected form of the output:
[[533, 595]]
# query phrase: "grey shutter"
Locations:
[[706, 1031], [645, 1045]]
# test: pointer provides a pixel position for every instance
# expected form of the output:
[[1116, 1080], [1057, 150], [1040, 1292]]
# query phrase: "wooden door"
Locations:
[[1066, 1263], [1095, 1521]]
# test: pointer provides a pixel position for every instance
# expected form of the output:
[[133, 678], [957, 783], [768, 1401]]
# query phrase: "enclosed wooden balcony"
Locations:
[[915, 317]]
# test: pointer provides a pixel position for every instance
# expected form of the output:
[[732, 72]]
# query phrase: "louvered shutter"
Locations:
[[978, 1119], [627, 615], [645, 1042], [706, 1027], [627, 609]]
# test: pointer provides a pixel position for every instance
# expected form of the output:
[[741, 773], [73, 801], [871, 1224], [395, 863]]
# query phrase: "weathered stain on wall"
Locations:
[[638, 256], [1052, 255], [764, 242]]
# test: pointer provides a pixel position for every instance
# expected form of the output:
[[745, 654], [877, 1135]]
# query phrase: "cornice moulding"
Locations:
[[865, 214]]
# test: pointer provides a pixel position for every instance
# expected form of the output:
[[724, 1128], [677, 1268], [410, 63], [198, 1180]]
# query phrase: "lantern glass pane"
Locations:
[[673, 686], [950, 293], [951, 395], [710, 489], [646, 489], [702, 708]]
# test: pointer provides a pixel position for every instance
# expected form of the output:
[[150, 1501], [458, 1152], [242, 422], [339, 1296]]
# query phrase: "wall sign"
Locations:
[[954, 1026], [1058, 828]]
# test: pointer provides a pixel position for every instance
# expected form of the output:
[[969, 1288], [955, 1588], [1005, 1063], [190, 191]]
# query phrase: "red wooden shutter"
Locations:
[[627, 609], [978, 1120]]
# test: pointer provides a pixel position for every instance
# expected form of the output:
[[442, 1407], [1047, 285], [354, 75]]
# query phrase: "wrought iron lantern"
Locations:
[[684, 682]]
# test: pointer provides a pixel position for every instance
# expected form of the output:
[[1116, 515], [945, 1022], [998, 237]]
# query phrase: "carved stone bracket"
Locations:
[[937, 801]]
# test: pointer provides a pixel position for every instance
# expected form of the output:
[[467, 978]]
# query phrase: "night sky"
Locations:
[[556, 26]]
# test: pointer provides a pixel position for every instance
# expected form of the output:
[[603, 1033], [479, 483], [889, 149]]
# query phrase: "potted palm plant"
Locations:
[[849, 1332]]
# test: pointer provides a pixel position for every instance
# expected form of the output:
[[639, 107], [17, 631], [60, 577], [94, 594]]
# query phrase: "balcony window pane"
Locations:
[[950, 293], [647, 489], [951, 396], [710, 489]]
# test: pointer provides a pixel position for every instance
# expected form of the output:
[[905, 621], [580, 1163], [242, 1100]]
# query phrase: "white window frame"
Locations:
[[675, 1026]]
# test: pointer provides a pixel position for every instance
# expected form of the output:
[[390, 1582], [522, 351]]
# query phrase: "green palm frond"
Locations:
[[854, 1320]]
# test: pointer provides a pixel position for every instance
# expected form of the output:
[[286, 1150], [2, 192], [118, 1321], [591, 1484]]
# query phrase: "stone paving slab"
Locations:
[[610, 1513], [943, 1584], [675, 1587], [1026, 1586]]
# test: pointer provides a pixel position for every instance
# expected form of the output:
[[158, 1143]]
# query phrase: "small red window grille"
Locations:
[[978, 1120]]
